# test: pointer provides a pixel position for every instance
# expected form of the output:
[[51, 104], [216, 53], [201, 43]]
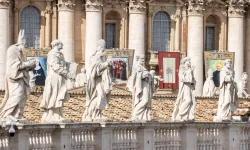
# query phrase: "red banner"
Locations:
[[169, 63]]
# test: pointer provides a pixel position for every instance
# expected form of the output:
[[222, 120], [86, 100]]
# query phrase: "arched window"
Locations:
[[161, 32], [30, 22]]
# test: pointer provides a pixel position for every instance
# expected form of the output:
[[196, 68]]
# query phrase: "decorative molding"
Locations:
[[66, 5], [236, 8], [4, 4], [94, 5], [114, 3], [195, 7], [137, 6]]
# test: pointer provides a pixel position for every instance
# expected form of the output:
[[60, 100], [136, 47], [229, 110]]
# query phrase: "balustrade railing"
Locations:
[[245, 138], [124, 138], [209, 137], [82, 139], [167, 138], [128, 136], [40, 140]]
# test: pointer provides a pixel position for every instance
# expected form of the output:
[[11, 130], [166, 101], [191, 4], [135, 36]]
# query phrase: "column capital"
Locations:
[[137, 6], [94, 5], [66, 5], [195, 7], [48, 9], [236, 8], [4, 4]]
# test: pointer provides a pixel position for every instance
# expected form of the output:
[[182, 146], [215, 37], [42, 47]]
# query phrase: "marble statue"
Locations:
[[242, 87], [141, 86], [228, 99], [17, 85], [209, 88], [99, 85], [81, 78], [55, 90], [184, 109]]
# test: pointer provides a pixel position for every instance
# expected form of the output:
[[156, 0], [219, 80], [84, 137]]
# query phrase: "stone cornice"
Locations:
[[66, 5], [137, 6], [94, 5], [195, 7], [4, 4], [236, 8]]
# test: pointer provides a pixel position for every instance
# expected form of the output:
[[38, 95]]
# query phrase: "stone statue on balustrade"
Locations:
[[81, 78], [142, 88], [17, 81], [99, 85], [242, 87], [209, 88], [55, 90], [184, 109], [228, 99], [155, 80]]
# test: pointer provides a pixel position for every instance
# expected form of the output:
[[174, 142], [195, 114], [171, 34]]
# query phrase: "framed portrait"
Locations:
[[121, 64], [40, 69], [169, 63], [215, 62]]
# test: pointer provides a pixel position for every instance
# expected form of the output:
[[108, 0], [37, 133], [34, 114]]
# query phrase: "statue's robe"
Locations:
[[55, 90], [98, 90], [228, 99], [209, 88], [142, 92], [16, 84], [184, 109]]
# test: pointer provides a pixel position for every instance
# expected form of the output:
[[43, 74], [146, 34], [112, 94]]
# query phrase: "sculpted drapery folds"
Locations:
[[17, 80], [141, 85], [184, 109], [228, 99], [209, 88], [99, 85], [55, 90]]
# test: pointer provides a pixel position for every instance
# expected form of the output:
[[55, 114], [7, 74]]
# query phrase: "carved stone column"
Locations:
[[4, 38], [137, 16], [236, 35], [66, 27], [195, 41], [48, 34], [93, 27]]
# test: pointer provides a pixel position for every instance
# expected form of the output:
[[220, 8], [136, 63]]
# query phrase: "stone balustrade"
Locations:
[[131, 135]]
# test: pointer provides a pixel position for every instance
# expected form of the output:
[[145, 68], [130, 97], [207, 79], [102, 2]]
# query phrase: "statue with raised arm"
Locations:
[[209, 88], [141, 86], [55, 90], [228, 99], [184, 109], [99, 85], [17, 81], [242, 87]]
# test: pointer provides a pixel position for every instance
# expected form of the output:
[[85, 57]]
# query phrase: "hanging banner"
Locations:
[[169, 63]]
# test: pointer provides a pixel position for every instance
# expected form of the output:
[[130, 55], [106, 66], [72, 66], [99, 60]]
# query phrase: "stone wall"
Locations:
[[120, 107]]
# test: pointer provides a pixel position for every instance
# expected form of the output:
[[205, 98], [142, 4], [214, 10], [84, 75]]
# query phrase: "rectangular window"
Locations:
[[110, 35], [210, 34]]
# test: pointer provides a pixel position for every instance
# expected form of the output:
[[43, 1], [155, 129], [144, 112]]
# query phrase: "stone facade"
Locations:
[[79, 24]]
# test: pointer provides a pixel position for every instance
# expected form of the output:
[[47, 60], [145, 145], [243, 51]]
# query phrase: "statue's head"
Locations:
[[141, 60], [57, 44], [21, 40], [228, 63], [187, 61], [101, 45]]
